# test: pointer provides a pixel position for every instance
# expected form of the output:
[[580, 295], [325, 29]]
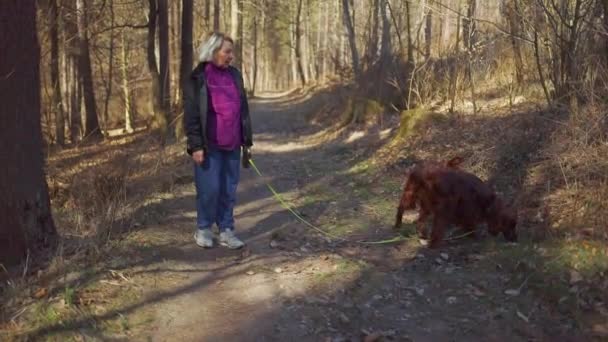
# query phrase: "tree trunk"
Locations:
[[298, 39], [324, 49], [216, 15], [236, 30], [514, 25], [428, 34], [76, 130], [468, 27], [410, 45], [71, 46], [207, 13], [174, 50], [163, 42], [57, 100], [124, 61], [86, 73], [605, 5], [350, 29], [254, 66], [110, 67], [240, 39], [160, 119], [292, 55], [385, 48], [372, 49], [187, 47], [26, 223]]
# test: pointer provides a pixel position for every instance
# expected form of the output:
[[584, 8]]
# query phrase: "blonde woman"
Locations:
[[217, 126]]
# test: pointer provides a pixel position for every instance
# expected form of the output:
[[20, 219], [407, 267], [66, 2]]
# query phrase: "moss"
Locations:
[[361, 110], [413, 119]]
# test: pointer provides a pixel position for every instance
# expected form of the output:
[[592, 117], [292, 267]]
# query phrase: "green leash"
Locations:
[[304, 221]]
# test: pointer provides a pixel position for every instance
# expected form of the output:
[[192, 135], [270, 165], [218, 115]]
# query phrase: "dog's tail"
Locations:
[[455, 162]]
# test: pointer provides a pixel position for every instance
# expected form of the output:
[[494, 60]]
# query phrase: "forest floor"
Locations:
[[150, 282]]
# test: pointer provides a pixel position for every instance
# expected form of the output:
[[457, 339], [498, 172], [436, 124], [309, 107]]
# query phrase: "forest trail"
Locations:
[[291, 283]]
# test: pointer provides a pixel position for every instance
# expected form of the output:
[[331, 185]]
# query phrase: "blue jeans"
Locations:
[[216, 181]]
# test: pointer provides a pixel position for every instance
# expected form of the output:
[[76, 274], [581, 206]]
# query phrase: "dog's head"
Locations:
[[413, 184], [503, 219]]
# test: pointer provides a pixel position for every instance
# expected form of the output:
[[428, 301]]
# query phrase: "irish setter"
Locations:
[[453, 196]]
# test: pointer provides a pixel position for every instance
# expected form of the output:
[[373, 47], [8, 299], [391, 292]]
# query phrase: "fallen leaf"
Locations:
[[523, 317], [344, 319], [374, 337], [512, 292], [42, 292], [575, 277], [600, 329], [246, 253]]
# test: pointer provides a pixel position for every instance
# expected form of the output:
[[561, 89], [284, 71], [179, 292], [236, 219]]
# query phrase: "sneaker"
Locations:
[[204, 238], [228, 239]]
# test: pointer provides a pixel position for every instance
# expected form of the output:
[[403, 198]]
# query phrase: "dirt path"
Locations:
[[291, 284]]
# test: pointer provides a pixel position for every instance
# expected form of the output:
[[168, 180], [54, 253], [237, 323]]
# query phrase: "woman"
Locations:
[[217, 126]]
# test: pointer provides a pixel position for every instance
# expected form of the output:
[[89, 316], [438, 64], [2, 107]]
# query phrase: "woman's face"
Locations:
[[224, 56]]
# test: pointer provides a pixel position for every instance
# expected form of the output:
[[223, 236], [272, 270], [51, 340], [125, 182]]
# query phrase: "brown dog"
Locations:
[[411, 190], [456, 197]]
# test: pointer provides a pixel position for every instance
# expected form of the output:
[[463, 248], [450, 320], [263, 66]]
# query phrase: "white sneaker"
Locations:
[[204, 238], [228, 239]]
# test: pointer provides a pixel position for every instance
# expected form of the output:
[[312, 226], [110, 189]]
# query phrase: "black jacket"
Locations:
[[196, 108]]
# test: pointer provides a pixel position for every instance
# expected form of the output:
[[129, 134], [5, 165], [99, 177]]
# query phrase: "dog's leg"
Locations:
[[401, 208], [399, 217], [421, 223], [439, 225]]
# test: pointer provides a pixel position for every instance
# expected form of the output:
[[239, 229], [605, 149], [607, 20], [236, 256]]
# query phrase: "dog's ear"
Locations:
[[455, 162]]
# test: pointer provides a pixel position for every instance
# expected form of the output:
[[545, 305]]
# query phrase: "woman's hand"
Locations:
[[198, 157]]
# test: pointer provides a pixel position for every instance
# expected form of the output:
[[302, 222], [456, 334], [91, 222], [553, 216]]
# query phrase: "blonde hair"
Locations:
[[212, 45]]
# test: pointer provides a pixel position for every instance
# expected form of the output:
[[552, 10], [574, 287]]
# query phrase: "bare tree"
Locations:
[[187, 47], [163, 47], [216, 15], [124, 61], [26, 223], [57, 99], [110, 65], [350, 29], [160, 118], [298, 43], [86, 73]]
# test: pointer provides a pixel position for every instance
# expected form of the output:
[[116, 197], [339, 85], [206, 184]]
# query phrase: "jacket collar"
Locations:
[[198, 70]]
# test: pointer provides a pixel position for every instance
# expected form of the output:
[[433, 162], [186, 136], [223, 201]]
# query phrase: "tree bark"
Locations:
[[125, 86], [207, 13], [71, 46], [605, 6], [92, 130], [428, 34], [385, 48], [236, 30], [298, 41], [163, 42], [187, 47], [110, 67], [160, 119], [410, 45], [216, 15], [26, 223], [58, 108], [514, 25], [350, 29], [254, 67]]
